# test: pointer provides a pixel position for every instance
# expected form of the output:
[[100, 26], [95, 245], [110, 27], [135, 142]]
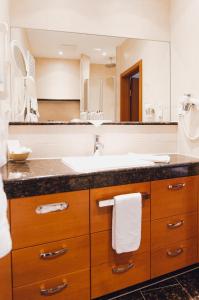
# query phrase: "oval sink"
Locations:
[[87, 164]]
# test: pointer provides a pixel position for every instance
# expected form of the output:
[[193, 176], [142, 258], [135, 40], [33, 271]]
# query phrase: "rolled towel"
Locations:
[[5, 238], [151, 157], [127, 223]]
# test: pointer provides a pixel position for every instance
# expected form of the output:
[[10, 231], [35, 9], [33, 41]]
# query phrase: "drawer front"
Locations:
[[5, 278], [170, 230], [49, 260], [173, 257], [102, 252], [30, 228], [101, 217], [173, 195], [104, 280], [74, 286]]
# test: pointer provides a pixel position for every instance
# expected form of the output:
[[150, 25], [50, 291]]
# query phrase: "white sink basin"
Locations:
[[87, 164]]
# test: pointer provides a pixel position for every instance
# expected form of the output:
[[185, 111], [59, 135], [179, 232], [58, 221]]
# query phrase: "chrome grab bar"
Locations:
[[123, 268], [53, 207], [53, 254], [110, 202], [177, 186], [54, 290]]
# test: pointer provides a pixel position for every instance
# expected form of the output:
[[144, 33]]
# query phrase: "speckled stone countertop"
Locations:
[[48, 176], [88, 123]]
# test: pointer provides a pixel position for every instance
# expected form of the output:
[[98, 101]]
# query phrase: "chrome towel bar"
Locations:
[[110, 202]]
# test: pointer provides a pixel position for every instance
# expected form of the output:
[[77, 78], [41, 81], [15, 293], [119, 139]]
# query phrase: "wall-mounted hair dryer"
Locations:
[[188, 104]]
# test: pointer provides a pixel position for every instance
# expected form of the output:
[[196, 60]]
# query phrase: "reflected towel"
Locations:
[[127, 222], [152, 158]]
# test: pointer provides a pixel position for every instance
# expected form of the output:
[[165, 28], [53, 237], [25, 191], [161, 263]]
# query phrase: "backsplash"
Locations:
[[49, 141]]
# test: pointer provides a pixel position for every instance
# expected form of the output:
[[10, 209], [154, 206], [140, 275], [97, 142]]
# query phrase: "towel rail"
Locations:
[[110, 202]]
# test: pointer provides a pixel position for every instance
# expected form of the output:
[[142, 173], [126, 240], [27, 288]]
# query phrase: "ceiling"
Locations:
[[57, 44]]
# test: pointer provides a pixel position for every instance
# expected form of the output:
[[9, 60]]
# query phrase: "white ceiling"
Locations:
[[46, 43]]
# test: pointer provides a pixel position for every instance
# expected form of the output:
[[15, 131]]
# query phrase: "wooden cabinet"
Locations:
[[29, 227], [111, 271], [173, 197], [72, 286], [173, 224], [5, 278], [51, 255], [67, 254], [40, 262]]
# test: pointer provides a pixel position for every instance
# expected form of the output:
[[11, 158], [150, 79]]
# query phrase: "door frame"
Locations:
[[125, 88]]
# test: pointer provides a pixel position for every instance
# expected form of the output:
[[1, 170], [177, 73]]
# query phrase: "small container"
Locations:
[[18, 156]]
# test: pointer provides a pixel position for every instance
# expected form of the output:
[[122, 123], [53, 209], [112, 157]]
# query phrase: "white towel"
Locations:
[[152, 158], [127, 222], [5, 239]]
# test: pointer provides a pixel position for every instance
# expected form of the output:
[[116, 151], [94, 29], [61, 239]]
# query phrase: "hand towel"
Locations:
[[127, 222], [5, 238], [152, 158]]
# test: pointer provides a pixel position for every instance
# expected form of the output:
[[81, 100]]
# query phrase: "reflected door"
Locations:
[[131, 94]]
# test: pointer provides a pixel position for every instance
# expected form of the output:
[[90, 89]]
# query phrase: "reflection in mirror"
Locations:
[[61, 76]]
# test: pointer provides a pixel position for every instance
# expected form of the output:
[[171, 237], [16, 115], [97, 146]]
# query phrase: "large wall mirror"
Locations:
[[61, 76]]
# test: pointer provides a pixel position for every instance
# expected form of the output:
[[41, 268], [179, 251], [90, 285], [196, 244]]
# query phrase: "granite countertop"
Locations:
[[88, 123], [48, 176]]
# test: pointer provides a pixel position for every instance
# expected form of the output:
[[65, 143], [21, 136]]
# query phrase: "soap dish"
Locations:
[[18, 157]]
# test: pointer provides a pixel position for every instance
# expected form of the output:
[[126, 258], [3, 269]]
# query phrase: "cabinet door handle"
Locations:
[[177, 186], [175, 225], [175, 252], [53, 207], [53, 254], [54, 290], [122, 269]]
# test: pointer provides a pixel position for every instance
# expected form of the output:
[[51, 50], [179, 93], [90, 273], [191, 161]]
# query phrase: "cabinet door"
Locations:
[[5, 278]]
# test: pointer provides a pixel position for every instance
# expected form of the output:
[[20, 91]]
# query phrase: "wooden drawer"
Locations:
[[104, 281], [78, 288], [172, 229], [5, 278], [29, 228], [29, 267], [162, 263], [102, 252], [101, 218], [171, 196]]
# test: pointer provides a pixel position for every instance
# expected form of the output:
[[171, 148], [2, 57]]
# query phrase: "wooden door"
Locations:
[[131, 94]]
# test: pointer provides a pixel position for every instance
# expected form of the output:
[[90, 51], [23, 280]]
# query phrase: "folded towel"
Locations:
[[127, 222], [153, 158], [5, 239]]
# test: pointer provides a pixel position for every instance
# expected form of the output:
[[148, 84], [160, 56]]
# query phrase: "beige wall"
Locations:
[[61, 140], [185, 64], [156, 71], [101, 75], [131, 18], [21, 36], [5, 98], [57, 78], [58, 110]]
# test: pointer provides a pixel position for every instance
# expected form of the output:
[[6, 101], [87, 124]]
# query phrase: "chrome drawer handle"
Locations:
[[175, 225], [49, 255], [177, 186], [55, 290], [175, 252], [122, 269], [48, 208]]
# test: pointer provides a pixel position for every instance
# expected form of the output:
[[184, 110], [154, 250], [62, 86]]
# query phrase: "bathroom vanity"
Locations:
[[67, 254]]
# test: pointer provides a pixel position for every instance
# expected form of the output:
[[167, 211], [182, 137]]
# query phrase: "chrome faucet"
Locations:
[[98, 145]]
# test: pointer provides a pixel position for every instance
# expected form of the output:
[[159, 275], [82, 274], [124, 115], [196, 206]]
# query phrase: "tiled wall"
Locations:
[[61, 140]]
